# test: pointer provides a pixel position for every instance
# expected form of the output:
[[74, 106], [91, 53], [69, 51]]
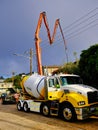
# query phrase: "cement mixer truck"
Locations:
[[61, 95]]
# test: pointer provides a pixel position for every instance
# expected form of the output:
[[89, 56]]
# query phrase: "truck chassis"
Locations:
[[54, 108]]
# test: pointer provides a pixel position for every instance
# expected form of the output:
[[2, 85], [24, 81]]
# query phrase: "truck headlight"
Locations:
[[81, 103]]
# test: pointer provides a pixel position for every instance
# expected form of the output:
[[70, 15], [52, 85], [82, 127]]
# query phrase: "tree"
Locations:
[[17, 80], [70, 68], [88, 65]]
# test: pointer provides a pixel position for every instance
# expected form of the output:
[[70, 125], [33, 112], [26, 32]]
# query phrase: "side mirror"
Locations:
[[57, 86]]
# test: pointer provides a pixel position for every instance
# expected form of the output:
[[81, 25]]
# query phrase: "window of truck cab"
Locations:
[[53, 82], [68, 80]]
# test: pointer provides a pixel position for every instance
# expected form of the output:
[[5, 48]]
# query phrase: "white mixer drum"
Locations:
[[35, 86]]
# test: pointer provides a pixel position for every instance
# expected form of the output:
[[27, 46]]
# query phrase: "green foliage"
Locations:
[[70, 68], [88, 65], [8, 80], [16, 80]]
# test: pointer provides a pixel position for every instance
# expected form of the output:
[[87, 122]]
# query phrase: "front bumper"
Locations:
[[86, 112]]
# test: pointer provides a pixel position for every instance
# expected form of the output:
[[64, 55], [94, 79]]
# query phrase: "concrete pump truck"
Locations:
[[62, 95]]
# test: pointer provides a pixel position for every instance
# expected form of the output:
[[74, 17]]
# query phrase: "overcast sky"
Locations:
[[18, 21]]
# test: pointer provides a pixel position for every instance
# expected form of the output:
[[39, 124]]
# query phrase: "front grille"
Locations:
[[92, 97]]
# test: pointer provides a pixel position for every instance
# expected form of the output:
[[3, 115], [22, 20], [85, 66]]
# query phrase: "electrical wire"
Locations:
[[81, 18], [79, 26], [80, 23]]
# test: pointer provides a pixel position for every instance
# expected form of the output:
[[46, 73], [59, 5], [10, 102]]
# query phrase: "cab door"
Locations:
[[53, 88]]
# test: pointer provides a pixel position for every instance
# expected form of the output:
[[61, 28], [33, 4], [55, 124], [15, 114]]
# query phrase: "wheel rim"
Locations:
[[67, 113], [19, 106], [25, 107], [45, 110]]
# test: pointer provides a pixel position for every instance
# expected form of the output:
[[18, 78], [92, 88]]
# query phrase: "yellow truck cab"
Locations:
[[62, 95]]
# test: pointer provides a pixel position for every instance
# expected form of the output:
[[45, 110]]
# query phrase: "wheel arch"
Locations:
[[47, 103], [43, 103], [68, 105]]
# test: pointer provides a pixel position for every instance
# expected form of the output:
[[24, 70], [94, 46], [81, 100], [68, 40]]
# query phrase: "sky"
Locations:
[[18, 22]]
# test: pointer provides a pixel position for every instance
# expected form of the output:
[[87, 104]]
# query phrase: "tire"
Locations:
[[68, 113], [45, 110], [19, 108], [25, 107]]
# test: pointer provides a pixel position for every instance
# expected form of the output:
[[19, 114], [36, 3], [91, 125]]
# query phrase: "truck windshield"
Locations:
[[65, 80]]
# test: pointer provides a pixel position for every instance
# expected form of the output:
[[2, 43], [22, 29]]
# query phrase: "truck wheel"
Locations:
[[19, 108], [68, 113], [45, 110], [25, 107]]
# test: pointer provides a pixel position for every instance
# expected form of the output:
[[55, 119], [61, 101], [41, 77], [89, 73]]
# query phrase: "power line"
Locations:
[[75, 33], [60, 40], [81, 18], [79, 26], [80, 23], [81, 31]]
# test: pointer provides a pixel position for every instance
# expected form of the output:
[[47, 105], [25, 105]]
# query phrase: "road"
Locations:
[[12, 119]]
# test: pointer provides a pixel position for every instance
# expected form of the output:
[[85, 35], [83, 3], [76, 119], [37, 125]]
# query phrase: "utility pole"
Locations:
[[30, 57]]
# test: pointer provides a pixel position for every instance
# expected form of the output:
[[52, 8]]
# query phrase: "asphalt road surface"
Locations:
[[12, 119]]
